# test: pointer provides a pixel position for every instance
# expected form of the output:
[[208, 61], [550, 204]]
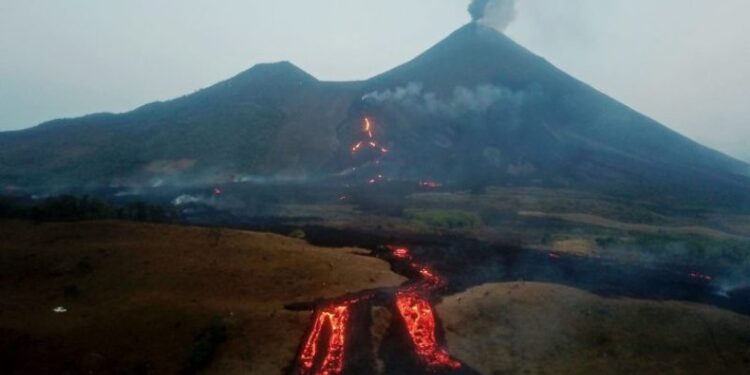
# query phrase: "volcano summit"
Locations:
[[476, 109]]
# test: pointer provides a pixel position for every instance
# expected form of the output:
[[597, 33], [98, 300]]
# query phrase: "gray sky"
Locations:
[[685, 63]]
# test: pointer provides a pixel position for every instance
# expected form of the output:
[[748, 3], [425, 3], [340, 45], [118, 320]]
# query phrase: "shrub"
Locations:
[[73, 208], [205, 346], [297, 233], [71, 291]]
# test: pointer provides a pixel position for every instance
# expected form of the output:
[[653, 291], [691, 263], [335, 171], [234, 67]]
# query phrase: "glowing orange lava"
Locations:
[[420, 322], [335, 317], [368, 140], [430, 277], [419, 317], [321, 356], [368, 130], [401, 253]]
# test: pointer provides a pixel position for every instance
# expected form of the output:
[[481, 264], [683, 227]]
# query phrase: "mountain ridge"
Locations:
[[534, 124]]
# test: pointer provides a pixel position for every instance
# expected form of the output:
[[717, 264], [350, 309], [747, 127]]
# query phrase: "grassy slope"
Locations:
[[534, 328], [145, 292]]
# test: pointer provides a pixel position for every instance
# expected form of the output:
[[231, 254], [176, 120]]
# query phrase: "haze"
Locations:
[[681, 62]]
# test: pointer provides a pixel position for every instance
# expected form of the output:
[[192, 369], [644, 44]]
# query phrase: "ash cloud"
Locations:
[[462, 101], [493, 13]]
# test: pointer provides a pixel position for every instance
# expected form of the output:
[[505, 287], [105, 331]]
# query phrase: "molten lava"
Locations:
[[323, 354], [419, 317], [356, 147], [433, 281], [331, 351], [369, 139], [420, 322], [401, 253]]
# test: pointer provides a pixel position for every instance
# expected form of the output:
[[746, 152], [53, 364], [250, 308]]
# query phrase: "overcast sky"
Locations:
[[685, 63]]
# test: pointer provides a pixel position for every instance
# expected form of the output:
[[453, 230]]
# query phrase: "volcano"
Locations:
[[474, 110]]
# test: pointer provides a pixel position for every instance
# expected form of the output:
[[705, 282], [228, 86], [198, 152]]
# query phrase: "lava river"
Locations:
[[324, 350]]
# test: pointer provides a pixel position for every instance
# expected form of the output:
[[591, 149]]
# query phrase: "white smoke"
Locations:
[[398, 94], [463, 100], [188, 199], [493, 13], [479, 99]]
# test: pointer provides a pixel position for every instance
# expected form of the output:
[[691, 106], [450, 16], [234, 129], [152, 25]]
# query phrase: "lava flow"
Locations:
[[419, 317], [336, 318], [324, 353], [368, 141]]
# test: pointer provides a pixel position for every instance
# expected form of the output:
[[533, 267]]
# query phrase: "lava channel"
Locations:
[[331, 351], [324, 354], [419, 318]]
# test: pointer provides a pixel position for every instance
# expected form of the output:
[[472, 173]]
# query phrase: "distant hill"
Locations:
[[140, 298], [474, 110], [239, 125]]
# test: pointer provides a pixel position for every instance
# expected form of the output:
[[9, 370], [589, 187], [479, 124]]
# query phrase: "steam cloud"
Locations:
[[464, 100], [493, 13]]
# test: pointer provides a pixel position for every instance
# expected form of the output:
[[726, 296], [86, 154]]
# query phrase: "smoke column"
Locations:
[[476, 9], [493, 13]]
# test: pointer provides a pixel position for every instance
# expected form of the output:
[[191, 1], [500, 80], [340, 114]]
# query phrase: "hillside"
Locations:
[[142, 298], [254, 123], [147, 298], [536, 328]]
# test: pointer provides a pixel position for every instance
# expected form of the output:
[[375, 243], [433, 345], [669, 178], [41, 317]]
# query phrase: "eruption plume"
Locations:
[[493, 13]]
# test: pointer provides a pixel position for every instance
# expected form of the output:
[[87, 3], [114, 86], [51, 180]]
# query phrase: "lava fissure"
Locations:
[[369, 141]]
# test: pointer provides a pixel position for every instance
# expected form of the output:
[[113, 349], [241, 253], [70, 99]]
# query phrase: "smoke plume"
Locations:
[[493, 13], [463, 101], [476, 9]]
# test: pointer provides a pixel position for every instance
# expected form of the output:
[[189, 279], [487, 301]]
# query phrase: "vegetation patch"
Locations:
[[444, 219], [73, 208], [206, 343], [693, 250]]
